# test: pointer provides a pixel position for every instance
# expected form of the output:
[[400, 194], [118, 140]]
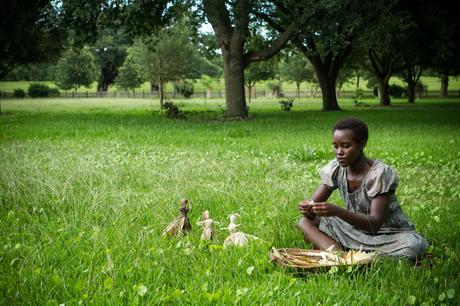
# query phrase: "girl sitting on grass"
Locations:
[[373, 219]]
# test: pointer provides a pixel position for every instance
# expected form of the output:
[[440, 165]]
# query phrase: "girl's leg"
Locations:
[[312, 234]]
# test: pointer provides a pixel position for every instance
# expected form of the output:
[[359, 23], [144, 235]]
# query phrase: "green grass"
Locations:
[[87, 185], [433, 84]]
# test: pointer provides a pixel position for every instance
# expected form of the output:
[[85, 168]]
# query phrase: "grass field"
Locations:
[[432, 82], [87, 185]]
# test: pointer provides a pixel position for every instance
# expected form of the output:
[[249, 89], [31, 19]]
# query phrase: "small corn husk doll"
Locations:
[[181, 225], [208, 232], [236, 238]]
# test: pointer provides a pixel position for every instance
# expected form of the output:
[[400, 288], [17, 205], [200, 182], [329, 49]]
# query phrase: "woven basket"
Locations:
[[310, 259]]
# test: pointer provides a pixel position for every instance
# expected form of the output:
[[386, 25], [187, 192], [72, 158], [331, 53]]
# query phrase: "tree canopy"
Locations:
[[30, 32], [398, 37], [76, 68]]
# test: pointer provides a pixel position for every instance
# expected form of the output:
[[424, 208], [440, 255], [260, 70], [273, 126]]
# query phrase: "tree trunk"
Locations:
[[384, 94], [235, 100], [161, 89], [327, 85], [383, 69], [411, 91], [444, 85], [231, 29], [107, 77], [298, 90], [249, 92], [411, 76]]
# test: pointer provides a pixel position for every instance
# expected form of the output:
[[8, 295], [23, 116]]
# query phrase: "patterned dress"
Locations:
[[397, 235]]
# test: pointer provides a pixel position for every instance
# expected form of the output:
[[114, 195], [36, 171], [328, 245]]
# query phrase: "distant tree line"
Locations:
[[124, 43]]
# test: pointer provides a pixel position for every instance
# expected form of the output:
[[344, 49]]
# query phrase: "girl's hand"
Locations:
[[305, 207], [325, 209]]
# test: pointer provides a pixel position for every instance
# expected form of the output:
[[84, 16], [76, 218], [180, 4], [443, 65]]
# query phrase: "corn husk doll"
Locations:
[[208, 232], [236, 238], [181, 225]]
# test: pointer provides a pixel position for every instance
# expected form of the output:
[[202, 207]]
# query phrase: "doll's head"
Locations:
[[233, 218], [206, 214]]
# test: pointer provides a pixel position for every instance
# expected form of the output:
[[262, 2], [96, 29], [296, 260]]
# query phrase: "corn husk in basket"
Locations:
[[310, 259]]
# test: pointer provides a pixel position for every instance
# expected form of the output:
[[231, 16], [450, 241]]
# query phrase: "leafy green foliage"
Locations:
[[75, 69], [38, 90], [184, 88], [168, 55], [130, 75], [171, 110], [396, 91], [286, 105], [275, 87], [110, 52], [19, 93], [30, 33], [296, 68]]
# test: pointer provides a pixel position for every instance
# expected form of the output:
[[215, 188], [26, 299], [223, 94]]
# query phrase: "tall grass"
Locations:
[[86, 187]]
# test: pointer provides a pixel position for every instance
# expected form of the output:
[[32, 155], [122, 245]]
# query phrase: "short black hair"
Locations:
[[359, 128]]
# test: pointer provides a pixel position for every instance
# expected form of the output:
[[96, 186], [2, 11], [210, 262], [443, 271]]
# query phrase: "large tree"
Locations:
[[168, 56], [230, 21], [387, 42], [129, 76], [327, 39], [441, 18], [76, 68], [257, 72], [110, 53], [296, 68], [30, 32]]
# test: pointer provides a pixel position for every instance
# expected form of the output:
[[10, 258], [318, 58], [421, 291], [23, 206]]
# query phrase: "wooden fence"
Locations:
[[217, 94]]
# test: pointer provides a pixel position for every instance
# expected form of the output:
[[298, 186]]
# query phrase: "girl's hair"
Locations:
[[359, 128]]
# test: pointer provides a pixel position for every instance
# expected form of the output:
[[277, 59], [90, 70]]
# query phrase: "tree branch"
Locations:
[[219, 18], [270, 51], [375, 62]]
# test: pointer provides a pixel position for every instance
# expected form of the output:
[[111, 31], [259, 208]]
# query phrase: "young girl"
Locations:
[[373, 219]]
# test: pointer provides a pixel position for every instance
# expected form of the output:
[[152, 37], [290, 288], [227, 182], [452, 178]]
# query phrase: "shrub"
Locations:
[[171, 110], [396, 91], [184, 88], [37, 90], [286, 105], [54, 92], [19, 93]]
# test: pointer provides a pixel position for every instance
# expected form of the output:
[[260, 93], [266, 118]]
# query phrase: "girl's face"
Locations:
[[347, 150]]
